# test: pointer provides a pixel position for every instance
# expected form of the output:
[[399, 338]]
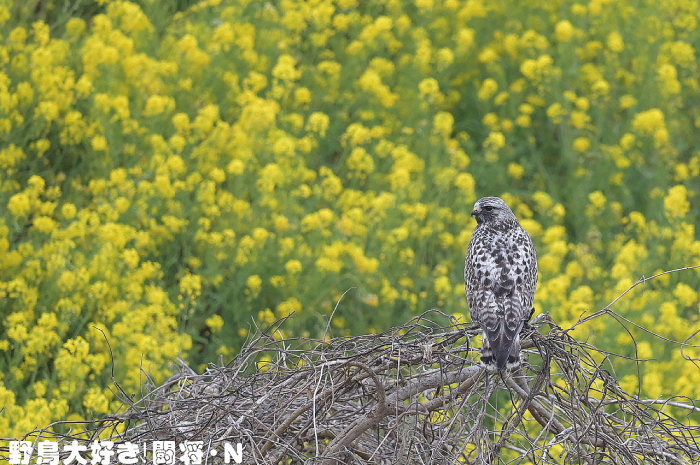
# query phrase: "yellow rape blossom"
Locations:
[[516, 170], [19, 204], [615, 42], [582, 144], [215, 323], [564, 31], [676, 204], [289, 306], [235, 165]]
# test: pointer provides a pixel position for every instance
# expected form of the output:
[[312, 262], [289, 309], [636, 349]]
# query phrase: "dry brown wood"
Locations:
[[414, 394]]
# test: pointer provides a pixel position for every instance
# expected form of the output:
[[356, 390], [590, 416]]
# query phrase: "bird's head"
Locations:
[[493, 210]]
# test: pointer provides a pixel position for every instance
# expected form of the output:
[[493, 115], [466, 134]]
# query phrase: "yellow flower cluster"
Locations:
[[170, 178]]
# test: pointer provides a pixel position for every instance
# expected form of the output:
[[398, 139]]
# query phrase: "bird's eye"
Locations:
[[488, 208]]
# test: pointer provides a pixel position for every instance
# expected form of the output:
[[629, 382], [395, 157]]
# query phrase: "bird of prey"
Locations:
[[500, 274]]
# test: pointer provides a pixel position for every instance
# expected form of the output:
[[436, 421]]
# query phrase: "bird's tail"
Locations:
[[499, 352]]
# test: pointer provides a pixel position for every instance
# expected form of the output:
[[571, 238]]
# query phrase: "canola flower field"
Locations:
[[167, 178]]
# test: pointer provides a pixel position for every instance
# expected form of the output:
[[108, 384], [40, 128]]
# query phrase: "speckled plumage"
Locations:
[[500, 273]]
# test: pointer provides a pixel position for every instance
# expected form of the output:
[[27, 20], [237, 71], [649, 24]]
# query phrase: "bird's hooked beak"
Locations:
[[476, 211]]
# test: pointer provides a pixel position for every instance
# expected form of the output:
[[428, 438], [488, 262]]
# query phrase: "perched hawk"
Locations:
[[501, 276]]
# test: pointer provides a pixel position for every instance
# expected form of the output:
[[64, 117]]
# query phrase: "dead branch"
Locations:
[[414, 394]]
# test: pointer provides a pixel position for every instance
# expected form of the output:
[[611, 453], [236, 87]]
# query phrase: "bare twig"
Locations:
[[414, 394]]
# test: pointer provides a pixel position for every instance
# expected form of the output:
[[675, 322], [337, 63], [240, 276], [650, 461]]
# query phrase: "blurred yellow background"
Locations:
[[175, 173]]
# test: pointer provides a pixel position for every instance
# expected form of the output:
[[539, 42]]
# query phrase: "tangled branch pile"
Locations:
[[414, 394]]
